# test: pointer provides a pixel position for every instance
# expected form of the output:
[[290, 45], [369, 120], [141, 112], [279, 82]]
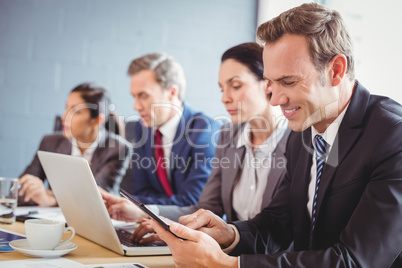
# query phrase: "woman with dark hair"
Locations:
[[89, 131], [249, 158]]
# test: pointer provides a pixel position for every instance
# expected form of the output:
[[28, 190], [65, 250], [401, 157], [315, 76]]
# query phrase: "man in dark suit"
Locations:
[[168, 126], [340, 202]]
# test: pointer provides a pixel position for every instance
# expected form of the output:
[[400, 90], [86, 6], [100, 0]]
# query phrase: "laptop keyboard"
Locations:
[[125, 239]]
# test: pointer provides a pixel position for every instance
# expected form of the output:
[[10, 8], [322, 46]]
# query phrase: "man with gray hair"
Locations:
[[173, 144]]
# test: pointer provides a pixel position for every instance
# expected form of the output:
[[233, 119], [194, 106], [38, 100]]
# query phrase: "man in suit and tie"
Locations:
[[341, 199], [172, 142]]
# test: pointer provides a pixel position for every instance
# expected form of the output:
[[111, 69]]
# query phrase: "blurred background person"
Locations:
[[89, 131], [171, 142]]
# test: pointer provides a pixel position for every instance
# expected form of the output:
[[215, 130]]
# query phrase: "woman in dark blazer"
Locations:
[[89, 132], [256, 129]]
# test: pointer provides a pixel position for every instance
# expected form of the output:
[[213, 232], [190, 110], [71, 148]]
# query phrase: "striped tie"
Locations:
[[321, 149]]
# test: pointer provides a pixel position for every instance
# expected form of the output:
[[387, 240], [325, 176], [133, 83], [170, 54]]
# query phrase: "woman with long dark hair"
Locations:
[[89, 131]]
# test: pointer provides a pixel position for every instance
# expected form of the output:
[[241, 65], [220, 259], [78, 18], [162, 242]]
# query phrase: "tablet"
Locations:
[[149, 212]]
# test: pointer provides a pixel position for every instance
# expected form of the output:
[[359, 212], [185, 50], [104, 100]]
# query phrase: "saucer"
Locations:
[[22, 246]]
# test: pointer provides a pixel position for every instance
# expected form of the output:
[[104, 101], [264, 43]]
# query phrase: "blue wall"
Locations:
[[49, 46]]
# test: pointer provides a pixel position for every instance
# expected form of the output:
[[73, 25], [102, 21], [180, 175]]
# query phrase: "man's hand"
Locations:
[[199, 250], [33, 189], [142, 230], [209, 223], [120, 208]]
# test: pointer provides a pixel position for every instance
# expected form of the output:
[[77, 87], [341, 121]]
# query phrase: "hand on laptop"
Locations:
[[32, 188], [143, 229], [120, 208]]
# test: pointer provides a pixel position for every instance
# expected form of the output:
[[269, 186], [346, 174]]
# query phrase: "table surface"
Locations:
[[89, 252]]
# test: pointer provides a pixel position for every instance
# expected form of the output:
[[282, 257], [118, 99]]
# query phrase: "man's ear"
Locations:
[[264, 85], [338, 66], [173, 92], [267, 90]]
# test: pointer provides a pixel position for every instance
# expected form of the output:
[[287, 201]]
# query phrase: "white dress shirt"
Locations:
[[168, 131], [89, 152], [329, 137], [249, 190]]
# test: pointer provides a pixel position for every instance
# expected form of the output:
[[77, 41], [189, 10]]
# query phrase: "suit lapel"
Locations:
[[299, 191], [150, 149], [349, 131], [232, 175], [65, 146], [180, 138], [99, 151], [276, 171]]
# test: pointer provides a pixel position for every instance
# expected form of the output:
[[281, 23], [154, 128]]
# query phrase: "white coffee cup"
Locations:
[[46, 234]]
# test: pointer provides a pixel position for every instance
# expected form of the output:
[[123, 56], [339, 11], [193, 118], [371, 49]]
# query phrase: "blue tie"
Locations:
[[320, 155]]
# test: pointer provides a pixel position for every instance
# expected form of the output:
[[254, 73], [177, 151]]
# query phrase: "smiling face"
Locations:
[[153, 102], [77, 121], [242, 94], [305, 95]]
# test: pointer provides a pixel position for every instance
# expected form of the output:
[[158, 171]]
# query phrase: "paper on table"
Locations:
[[63, 263], [55, 213], [117, 265], [42, 262]]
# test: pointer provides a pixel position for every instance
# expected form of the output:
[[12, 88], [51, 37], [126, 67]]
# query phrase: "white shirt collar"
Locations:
[[169, 128], [244, 137], [331, 131], [89, 152], [168, 131]]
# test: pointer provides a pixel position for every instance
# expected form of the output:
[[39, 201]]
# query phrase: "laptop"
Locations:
[[78, 197]]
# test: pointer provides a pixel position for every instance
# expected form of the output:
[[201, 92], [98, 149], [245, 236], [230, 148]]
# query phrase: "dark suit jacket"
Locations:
[[193, 147], [359, 217], [218, 192], [108, 164]]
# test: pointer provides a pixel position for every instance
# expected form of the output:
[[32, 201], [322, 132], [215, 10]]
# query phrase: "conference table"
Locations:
[[88, 252]]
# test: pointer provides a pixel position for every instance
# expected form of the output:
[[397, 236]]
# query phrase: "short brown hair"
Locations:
[[324, 29]]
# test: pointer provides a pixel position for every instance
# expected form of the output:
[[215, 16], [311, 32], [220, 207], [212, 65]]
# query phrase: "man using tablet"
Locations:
[[341, 199]]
